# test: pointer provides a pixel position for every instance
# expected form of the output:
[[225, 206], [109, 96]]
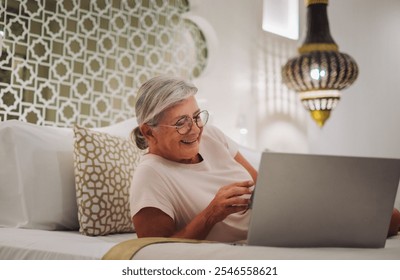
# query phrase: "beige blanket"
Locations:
[[126, 250]]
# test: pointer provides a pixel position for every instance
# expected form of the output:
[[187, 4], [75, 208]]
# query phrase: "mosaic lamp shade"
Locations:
[[320, 71]]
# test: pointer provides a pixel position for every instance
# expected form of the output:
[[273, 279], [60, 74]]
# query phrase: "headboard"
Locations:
[[80, 62]]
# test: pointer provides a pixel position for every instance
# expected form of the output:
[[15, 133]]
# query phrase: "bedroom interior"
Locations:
[[68, 62]]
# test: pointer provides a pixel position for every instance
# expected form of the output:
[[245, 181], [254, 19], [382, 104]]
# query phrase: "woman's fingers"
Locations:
[[236, 209], [231, 199], [238, 201], [237, 189]]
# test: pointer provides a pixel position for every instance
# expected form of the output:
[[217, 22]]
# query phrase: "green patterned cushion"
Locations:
[[104, 165]]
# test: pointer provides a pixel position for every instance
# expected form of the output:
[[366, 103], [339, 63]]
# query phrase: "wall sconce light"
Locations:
[[320, 71]]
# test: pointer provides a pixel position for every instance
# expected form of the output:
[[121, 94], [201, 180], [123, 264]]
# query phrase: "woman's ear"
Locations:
[[147, 132]]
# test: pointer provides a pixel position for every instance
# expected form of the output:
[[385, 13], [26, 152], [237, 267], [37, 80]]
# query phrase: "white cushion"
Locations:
[[37, 183]]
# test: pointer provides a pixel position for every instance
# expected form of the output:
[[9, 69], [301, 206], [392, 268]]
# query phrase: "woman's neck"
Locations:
[[196, 159]]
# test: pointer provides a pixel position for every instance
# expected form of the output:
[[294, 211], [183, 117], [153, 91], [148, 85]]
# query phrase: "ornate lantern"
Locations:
[[320, 71]]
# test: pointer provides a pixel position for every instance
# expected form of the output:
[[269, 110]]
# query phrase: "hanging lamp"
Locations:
[[320, 71]]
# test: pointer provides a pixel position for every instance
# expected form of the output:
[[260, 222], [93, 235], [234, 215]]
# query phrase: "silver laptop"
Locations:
[[323, 201]]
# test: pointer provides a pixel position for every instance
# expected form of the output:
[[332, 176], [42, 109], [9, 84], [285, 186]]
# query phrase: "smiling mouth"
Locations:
[[188, 142]]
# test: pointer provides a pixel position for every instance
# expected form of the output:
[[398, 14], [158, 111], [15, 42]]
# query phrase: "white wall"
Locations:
[[365, 122], [227, 83], [367, 119]]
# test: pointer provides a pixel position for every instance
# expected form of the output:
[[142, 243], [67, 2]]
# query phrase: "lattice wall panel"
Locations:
[[73, 61]]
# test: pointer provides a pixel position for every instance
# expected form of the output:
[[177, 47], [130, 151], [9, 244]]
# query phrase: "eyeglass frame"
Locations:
[[187, 118]]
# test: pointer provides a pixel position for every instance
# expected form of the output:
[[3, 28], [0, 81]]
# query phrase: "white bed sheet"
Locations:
[[29, 244], [71, 245]]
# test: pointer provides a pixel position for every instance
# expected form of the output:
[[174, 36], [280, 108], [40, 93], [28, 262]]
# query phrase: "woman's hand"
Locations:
[[228, 200], [394, 223]]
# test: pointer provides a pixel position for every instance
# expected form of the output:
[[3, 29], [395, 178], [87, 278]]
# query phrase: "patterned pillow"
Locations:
[[104, 165]]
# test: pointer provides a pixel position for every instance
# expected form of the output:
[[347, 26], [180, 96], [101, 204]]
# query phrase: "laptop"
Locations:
[[303, 200]]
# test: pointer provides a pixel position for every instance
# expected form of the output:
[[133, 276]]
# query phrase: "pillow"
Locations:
[[37, 183], [104, 166], [36, 177]]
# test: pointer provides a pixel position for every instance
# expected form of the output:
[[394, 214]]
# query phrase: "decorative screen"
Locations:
[[73, 61]]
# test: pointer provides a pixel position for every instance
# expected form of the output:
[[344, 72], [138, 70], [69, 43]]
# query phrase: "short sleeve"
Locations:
[[148, 190]]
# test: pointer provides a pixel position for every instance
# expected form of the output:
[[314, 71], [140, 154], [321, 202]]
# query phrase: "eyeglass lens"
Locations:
[[200, 120]]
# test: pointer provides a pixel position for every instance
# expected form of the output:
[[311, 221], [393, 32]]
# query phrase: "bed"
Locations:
[[64, 195], [71, 245]]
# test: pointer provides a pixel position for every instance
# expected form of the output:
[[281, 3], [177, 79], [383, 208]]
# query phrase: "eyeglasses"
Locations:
[[184, 124]]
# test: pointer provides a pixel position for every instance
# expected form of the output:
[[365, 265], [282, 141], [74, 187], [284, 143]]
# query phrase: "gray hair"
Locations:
[[154, 97]]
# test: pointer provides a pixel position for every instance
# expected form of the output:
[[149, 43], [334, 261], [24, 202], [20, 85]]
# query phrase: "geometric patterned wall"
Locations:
[[73, 61]]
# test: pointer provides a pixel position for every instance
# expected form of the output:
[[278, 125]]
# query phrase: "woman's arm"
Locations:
[[162, 225], [241, 159], [152, 222]]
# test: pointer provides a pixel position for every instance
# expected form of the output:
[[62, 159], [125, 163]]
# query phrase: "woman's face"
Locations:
[[168, 143]]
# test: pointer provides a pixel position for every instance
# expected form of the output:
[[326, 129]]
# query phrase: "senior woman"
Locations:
[[192, 183]]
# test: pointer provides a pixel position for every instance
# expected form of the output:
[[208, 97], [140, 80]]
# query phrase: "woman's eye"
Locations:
[[181, 122]]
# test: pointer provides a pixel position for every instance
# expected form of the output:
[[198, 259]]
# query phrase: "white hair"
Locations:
[[154, 97]]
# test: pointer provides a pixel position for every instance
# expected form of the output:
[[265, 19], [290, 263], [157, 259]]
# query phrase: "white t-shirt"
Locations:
[[183, 190]]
